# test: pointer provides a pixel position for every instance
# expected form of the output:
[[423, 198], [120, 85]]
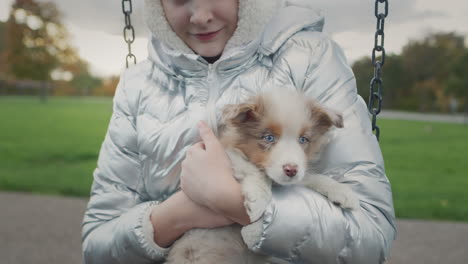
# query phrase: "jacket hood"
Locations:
[[292, 17], [263, 26], [253, 15]]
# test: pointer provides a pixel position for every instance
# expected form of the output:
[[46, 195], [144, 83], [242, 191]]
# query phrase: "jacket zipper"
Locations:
[[213, 93]]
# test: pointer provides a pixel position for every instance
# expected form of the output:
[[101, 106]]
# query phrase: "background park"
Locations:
[[54, 111]]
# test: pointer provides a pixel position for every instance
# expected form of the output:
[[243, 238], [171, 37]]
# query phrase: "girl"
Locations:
[[154, 181]]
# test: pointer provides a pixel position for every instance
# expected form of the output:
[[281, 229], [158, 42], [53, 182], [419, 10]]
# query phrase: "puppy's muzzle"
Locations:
[[290, 169]]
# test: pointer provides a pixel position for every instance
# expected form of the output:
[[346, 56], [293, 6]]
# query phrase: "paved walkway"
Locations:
[[444, 118], [46, 230]]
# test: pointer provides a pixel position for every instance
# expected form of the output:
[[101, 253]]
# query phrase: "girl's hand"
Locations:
[[207, 178], [203, 217], [178, 214], [206, 170]]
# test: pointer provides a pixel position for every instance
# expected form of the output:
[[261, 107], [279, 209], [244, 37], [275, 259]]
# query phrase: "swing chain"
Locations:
[[376, 84], [129, 31]]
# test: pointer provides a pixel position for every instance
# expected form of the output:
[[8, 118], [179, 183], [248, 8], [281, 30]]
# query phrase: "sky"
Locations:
[[96, 26]]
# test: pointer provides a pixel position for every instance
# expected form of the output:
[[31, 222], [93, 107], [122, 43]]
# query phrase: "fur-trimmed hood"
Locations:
[[253, 15], [263, 26]]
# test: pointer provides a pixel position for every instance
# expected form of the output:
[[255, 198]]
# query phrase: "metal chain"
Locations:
[[129, 31], [376, 85]]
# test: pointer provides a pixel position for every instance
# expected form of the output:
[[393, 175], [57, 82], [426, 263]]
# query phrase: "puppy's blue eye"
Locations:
[[269, 138], [303, 140]]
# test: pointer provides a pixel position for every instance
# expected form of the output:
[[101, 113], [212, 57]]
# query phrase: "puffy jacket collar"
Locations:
[[187, 65], [295, 16], [264, 25]]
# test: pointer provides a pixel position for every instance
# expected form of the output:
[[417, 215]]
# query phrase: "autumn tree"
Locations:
[[83, 81], [37, 42], [38, 48], [108, 87], [2, 36], [429, 63], [2, 49]]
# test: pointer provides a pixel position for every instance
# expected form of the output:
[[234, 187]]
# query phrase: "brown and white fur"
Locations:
[[270, 138]]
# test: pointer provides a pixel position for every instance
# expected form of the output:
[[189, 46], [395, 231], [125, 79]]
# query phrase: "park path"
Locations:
[[46, 230], [444, 118]]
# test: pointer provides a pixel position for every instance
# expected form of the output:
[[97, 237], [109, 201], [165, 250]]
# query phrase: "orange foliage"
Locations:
[[108, 87]]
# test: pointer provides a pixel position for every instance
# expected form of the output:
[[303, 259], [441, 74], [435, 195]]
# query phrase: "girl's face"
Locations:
[[204, 25]]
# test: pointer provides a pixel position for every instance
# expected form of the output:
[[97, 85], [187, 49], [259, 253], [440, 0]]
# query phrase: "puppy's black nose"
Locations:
[[290, 170]]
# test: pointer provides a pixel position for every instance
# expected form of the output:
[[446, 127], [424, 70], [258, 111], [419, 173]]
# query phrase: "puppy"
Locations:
[[270, 138]]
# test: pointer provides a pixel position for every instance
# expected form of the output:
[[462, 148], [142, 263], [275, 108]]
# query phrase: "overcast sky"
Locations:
[[96, 26]]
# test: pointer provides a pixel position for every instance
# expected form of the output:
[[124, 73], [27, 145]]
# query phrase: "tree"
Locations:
[[428, 63], [395, 85], [36, 41], [427, 76], [108, 87], [2, 49], [457, 82], [2, 36], [83, 81], [363, 71]]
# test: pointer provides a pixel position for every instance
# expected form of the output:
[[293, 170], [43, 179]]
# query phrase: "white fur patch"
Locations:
[[286, 152], [291, 117], [159, 27]]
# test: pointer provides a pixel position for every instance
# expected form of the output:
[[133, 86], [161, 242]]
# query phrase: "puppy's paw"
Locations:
[[344, 197], [256, 202], [251, 234]]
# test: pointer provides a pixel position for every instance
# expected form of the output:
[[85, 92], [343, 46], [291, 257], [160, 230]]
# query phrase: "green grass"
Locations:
[[52, 148], [427, 166]]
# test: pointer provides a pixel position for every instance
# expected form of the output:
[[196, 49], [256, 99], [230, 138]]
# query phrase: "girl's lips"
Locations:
[[207, 36]]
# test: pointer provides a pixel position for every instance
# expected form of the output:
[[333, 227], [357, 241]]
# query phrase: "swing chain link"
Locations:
[[376, 84], [129, 31]]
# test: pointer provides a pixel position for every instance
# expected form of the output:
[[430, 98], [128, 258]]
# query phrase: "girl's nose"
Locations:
[[201, 16]]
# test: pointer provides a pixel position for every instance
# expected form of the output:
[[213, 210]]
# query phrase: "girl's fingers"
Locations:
[[207, 136], [198, 145]]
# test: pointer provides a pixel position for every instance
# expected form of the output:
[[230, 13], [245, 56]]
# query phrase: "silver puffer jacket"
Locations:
[[159, 101]]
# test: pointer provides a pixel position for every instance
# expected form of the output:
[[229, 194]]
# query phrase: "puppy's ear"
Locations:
[[325, 118], [243, 113], [335, 117]]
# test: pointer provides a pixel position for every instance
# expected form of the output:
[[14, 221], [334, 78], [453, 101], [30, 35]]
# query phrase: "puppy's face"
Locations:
[[279, 133]]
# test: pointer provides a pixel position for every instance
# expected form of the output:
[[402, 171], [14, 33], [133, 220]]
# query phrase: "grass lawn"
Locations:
[[427, 164], [52, 148]]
